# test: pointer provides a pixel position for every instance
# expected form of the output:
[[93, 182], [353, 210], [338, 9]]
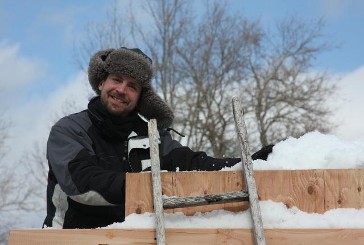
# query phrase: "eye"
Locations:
[[133, 86]]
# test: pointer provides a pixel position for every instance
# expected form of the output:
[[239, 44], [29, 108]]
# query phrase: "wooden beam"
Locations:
[[139, 190], [309, 190], [304, 189], [344, 189], [312, 191], [185, 236]]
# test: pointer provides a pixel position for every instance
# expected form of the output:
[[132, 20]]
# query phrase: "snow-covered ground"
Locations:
[[311, 151]]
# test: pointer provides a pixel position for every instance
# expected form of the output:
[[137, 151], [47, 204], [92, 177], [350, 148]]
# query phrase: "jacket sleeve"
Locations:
[[175, 156], [76, 168]]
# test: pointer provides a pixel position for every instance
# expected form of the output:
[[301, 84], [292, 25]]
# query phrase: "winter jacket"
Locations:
[[88, 162]]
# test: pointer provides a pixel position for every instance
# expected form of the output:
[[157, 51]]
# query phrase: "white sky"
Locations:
[[349, 103]]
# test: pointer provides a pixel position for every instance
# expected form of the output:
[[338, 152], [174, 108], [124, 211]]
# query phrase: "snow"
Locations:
[[274, 215], [311, 151]]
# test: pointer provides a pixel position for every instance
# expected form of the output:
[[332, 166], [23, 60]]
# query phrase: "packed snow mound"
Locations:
[[313, 150]]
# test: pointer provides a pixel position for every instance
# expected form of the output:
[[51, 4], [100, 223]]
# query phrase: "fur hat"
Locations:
[[134, 63]]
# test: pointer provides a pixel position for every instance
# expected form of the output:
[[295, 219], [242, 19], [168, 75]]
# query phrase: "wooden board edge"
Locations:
[[185, 236]]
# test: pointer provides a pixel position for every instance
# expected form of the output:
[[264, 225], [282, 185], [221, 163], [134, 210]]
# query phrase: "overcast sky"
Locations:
[[37, 72]]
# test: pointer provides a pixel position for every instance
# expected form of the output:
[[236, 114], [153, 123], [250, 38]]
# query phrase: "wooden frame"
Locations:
[[186, 236], [312, 191], [309, 190]]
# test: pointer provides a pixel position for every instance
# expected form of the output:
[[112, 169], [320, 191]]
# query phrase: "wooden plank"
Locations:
[[304, 189], [206, 183], [138, 196], [312, 191], [185, 236], [344, 189], [233, 181]]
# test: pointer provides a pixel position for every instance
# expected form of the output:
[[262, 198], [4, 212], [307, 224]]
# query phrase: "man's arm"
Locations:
[[174, 156], [76, 167]]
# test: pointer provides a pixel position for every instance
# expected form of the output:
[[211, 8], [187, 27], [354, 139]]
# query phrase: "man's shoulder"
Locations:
[[78, 119]]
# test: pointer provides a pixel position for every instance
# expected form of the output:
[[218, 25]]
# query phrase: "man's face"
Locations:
[[119, 94]]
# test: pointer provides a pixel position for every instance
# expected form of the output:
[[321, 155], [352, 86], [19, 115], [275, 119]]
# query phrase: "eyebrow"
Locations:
[[135, 83], [131, 80]]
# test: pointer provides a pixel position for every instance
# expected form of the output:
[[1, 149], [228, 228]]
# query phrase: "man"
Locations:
[[89, 152]]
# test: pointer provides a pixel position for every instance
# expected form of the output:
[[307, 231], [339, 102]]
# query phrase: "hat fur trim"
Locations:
[[133, 63]]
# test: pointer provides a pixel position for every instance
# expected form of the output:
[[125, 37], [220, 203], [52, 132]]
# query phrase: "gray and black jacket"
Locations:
[[88, 155]]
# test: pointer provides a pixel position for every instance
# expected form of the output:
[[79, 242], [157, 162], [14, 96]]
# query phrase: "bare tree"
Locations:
[[285, 97], [200, 63], [36, 159], [4, 134], [113, 33], [14, 195], [195, 62], [215, 57], [171, 21]]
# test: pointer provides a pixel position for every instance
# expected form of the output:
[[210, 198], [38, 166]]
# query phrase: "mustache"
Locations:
[[120, 96]]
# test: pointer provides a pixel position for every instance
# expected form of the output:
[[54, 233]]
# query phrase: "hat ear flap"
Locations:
[[96, 69], [152, 106]]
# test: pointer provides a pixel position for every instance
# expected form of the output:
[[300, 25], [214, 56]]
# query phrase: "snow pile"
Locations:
[[311, 151]]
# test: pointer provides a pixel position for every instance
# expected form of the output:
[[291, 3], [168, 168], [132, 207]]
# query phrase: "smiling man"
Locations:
[[89, 152], [119, 94]]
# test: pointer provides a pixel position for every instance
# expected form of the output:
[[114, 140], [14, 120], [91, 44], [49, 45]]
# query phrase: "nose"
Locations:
[[121, 87]]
